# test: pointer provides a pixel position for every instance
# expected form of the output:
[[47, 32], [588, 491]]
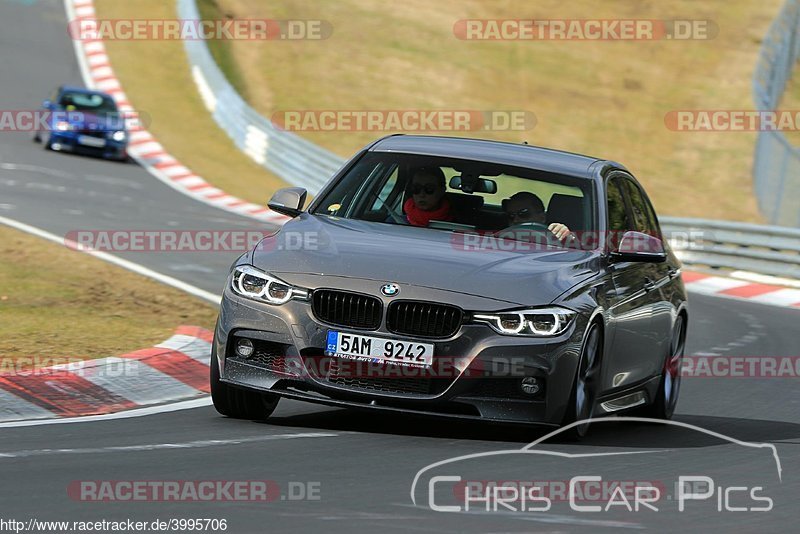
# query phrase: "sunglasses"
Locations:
[[524, 212], [429, 189]]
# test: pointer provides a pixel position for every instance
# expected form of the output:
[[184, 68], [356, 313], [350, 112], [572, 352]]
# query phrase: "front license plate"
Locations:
[[375, 349], [91, 141]]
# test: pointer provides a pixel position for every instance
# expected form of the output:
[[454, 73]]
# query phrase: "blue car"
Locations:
[[86, 122]]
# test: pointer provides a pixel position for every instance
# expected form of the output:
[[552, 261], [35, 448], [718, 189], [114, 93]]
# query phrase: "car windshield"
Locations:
[[88, 102], [460, 195]]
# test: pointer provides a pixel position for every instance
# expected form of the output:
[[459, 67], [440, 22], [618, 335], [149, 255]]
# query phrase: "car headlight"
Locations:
[[253, 283], [541, 322], [118, 135], [63, 126]]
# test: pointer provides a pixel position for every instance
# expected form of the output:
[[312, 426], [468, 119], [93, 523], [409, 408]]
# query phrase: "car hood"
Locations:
[[422, 257], [86, 121]]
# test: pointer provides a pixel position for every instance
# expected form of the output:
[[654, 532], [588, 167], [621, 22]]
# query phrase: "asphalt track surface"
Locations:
[[364, 463]]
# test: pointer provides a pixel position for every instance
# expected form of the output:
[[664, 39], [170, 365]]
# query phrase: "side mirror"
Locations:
[[641, 247], [289, 201], [47, 104]]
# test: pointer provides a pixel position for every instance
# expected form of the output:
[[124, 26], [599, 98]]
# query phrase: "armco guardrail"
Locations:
[[292, 158], [770, 250], [776, 168]]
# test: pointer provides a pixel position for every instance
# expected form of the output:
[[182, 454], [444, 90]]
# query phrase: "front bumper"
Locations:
[[66, 141], [476, 374]]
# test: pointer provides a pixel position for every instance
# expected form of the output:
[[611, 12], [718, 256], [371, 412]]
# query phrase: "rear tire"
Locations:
[[586, 385], [670, 384], [239, 403]]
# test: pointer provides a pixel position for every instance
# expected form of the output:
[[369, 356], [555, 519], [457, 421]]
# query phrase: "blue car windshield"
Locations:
[[87, 102], [459, 195]]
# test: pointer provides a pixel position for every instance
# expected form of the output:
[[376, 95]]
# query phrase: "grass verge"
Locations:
[[157, 79], [56, 302]]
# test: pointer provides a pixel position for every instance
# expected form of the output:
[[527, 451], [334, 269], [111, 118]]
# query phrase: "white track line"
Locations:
[[200, 444], [140, 412], [125, 264]]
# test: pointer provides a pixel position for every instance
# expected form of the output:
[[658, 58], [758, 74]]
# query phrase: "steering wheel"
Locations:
[[530, 226], [529, 231]]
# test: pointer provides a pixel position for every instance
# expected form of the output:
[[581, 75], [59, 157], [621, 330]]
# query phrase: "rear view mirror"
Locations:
[[288, 201], [641, 247], [481, 185]]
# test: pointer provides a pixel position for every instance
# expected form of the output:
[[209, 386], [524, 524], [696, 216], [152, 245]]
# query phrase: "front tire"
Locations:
[[239, 403], [587, 384], [670, 384]]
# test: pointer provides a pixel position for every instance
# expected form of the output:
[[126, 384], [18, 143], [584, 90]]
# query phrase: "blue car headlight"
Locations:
[[119, 136], [255, 284], [64, 126], [537, 322]]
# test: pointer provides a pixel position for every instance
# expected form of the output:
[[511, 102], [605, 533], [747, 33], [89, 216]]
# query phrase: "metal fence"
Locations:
[[292, 158], [776, 169], [724, 245]]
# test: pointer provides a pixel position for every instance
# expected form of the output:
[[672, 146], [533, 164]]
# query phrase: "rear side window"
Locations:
[[643, 215], [618, 220]]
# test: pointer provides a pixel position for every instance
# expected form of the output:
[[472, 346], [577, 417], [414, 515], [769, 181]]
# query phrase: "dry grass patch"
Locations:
[[55, 302]]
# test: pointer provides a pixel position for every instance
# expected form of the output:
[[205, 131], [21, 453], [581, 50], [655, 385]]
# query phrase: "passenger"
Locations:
[[526, 207], [427, 201]]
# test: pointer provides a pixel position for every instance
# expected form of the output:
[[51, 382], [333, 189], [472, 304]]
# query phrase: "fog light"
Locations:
[[244, 348], [530, 385]]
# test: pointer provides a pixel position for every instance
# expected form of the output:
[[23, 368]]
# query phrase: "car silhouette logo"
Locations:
[[390, 290]]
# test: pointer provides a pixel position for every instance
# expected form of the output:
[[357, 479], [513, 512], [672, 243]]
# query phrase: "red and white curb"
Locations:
[[174, 370], [143, 147], [721, 286]]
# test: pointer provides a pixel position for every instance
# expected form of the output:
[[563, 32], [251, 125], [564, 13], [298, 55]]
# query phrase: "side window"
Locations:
[[617, 213], [643, 215], [386, 190], [618, 218]]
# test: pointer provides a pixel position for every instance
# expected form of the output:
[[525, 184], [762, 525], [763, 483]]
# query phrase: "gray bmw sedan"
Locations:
[[461, 278]]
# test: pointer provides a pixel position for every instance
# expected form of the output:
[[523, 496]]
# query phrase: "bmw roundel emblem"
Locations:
[[390, 290]]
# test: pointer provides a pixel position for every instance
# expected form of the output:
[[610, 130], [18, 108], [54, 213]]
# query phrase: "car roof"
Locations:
[[517, 155], [82, 90]]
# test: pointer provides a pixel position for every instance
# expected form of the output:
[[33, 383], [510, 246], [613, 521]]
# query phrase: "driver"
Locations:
[[525, 207]]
